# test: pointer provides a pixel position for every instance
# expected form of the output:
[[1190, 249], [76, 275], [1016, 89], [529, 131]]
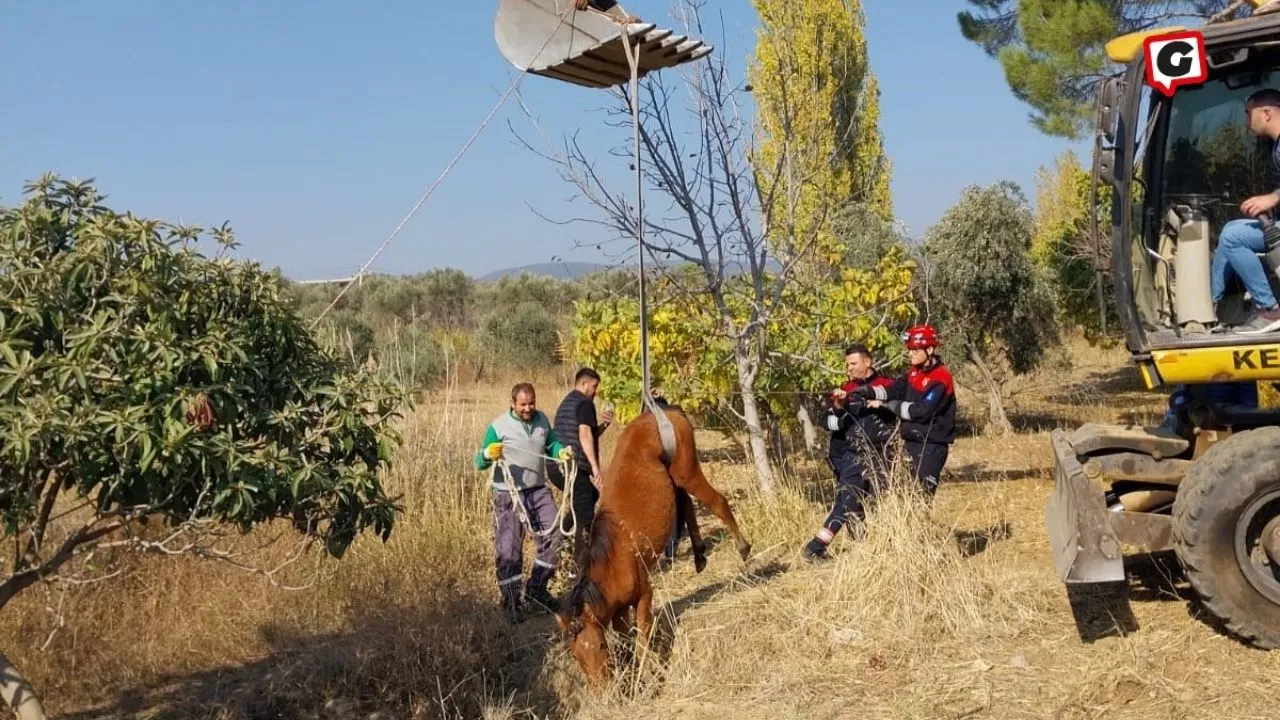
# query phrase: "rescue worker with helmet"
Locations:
[[856, 450], [925, 403]]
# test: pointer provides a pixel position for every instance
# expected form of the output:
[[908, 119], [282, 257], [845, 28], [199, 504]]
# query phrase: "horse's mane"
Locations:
[[596, 549]]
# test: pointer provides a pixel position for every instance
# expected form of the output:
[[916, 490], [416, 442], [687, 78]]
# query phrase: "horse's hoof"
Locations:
[[745, 552], [699, 563]]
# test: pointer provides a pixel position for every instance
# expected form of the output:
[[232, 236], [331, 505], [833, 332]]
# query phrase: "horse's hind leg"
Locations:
[[689, 515], [695, 482]]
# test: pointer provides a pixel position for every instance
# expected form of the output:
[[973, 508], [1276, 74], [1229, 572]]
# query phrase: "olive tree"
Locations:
[[982, 289], [154, 399], [520, 337]]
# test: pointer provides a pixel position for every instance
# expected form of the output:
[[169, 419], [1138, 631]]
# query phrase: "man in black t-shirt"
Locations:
[[576, 426]]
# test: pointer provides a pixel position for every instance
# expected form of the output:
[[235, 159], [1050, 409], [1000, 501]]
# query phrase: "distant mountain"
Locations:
[[558, 270], [575, 270]]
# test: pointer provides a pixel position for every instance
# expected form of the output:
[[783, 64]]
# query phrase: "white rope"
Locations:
[[569, 468], [466, 146]]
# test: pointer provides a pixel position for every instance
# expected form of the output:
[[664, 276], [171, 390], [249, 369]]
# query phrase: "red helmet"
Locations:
[[919, 337]]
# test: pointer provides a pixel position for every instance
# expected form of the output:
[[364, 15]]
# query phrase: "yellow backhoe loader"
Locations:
[[1205, 483]]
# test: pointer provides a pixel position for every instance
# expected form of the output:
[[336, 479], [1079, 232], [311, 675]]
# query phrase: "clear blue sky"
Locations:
[[314, 127]]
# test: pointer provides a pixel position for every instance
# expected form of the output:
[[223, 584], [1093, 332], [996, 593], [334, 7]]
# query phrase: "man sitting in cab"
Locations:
[[1241, 240]]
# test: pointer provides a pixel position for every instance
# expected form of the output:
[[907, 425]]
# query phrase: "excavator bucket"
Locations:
[[586, 47], [1085, 547]]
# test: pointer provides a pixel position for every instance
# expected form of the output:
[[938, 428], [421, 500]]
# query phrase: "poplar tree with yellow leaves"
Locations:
[[818, 111], [1062, 245], [817, 117]]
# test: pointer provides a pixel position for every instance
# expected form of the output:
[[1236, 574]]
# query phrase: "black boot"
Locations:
[[815, 550], [511, 603], [536, 594], [540, 600]]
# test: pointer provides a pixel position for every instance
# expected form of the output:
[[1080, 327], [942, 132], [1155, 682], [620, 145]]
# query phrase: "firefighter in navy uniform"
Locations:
[[856, 451], [925, 403]]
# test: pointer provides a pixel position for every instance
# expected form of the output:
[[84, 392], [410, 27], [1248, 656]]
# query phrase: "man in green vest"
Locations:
[[522, 438]]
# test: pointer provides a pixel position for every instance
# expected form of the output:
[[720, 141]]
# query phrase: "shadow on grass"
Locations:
[[976, 473], [443, 658], [1160, 577], [1041, 421], [975, 542], [666, 617], [1022, 420], [1107, 386], [1103, 610]]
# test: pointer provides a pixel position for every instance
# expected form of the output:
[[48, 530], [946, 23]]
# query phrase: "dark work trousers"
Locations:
[[508, 537], [585, 496], [856, 476], [925, 461]]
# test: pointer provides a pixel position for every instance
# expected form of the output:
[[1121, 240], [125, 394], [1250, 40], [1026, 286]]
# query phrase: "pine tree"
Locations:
[[1052, 50]]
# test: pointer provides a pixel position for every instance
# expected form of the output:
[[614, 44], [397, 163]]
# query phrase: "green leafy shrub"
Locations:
[[411, 355], [348, 333], [140, 380], [522, 337]]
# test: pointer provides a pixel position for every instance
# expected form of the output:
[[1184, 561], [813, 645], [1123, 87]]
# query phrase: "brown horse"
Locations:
[[633, 521]]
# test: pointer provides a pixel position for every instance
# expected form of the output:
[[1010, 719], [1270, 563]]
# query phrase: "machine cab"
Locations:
[[1179, 168]]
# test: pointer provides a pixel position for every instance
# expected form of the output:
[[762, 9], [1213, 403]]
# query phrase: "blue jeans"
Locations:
[[1238, 242], [1224, 393]]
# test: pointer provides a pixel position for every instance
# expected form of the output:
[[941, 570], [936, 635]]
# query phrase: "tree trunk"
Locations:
[[774, 435], [997, 420], [18, 693], [806, 426], [751, 414]]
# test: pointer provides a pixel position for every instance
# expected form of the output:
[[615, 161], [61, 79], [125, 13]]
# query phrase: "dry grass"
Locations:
[[952, 611]]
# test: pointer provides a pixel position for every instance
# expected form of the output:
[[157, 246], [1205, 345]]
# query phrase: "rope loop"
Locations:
[[569, 468]]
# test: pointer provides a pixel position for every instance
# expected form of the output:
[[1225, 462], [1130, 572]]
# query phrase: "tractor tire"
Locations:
[[1230, 479]]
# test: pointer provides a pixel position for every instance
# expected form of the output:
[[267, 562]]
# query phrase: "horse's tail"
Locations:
[[595, 550]]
